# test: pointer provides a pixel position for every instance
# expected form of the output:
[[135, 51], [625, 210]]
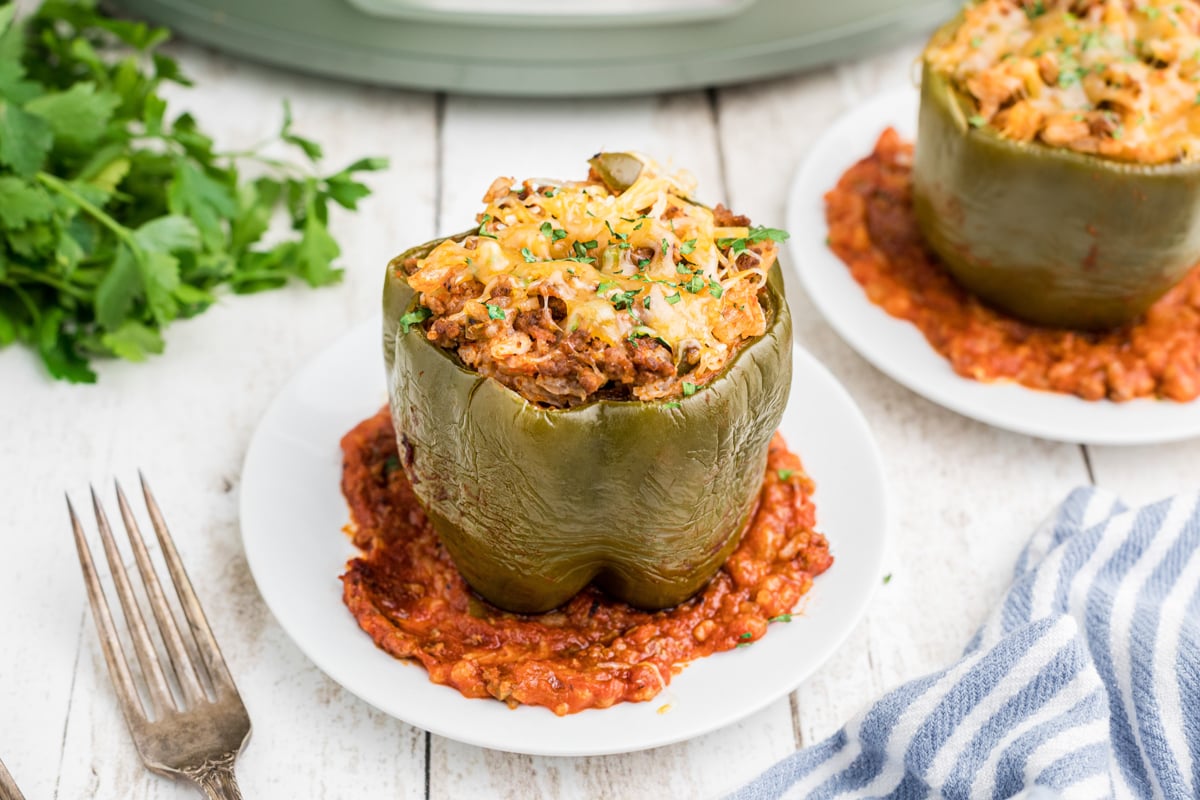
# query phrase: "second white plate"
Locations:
[[899, 350]]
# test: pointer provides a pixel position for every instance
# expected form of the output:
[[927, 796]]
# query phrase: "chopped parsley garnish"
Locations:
[[642, 332], [672, 404], [785, 474], [645, 262], [414, 318], [715, 289], [687, 247], [695, 285], [623, 300], [689, 389], [550, 192], [781, 618], [682, 269], [483, 231], [605, 286], [1035, 10], [529, 257], [757, 234], [887, 578], [646, 301], [666, 249], [746, 635], [552, 233], [674, 298], [495, 311], [581, 259], [977, 121]]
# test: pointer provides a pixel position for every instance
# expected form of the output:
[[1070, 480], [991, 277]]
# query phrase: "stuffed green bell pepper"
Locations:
[[584, 385], [1056, 170]]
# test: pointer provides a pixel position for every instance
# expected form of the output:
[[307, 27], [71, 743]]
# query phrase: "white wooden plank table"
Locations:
[[964, 496]]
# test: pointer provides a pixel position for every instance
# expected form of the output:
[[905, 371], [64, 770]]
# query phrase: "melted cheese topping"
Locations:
[[1116, 78], [645, 262]]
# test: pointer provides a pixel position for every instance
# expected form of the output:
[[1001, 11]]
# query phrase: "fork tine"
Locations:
[[114, 655], [8, 787], [185, 671], [160, 693], [207, 643]]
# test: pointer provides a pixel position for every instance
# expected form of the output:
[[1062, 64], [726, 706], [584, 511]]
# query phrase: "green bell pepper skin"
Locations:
[[1049, 235], [647, 498]]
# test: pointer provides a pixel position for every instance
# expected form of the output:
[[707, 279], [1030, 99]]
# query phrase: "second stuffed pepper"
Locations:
[[1057, 170]]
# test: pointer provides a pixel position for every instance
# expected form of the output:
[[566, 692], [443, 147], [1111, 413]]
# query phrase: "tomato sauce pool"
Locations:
[[592, 652], [872, 228]]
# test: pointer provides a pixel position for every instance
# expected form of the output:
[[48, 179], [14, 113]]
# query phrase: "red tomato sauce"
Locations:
[[592, 652], [873, 229]]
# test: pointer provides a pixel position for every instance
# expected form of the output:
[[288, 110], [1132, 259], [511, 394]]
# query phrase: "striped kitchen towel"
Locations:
[[1084, 683]]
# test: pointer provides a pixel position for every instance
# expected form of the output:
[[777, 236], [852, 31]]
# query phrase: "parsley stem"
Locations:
[[24, 297], [49, 280], [62, 187]]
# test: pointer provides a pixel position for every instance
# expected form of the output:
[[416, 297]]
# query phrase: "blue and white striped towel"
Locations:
[[1084, 683]]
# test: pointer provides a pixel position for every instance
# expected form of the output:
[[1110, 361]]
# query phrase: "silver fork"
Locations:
[[8, 787], [197, 735]]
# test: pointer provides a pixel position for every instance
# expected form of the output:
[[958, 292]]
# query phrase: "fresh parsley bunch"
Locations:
[[117, 217]]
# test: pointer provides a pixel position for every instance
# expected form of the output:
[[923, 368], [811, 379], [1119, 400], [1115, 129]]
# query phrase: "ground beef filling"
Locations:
[[593, 652], [872, 228], [560, 368]]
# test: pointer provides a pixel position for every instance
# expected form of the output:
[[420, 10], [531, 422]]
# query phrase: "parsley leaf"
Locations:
[[118, 214], [495, 311], [756, 234], [416, 317], [483, 231]]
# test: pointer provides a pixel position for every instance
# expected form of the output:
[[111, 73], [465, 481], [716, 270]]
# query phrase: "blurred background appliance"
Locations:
[[563, 48]]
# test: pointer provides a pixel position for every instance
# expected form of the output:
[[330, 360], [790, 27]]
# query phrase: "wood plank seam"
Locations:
[[1087, 463], [62, 750]]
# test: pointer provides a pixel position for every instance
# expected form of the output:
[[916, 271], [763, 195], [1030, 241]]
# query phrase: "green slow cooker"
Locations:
[[546, 47]]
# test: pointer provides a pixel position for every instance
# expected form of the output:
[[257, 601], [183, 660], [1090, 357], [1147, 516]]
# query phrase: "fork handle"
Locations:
[[216, 779]]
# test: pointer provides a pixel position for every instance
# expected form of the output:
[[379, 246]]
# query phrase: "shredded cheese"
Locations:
[[644, 262], [1116, 78]]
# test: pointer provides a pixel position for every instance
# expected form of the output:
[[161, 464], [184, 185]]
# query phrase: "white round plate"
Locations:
[[292, 514], [899, 350]]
